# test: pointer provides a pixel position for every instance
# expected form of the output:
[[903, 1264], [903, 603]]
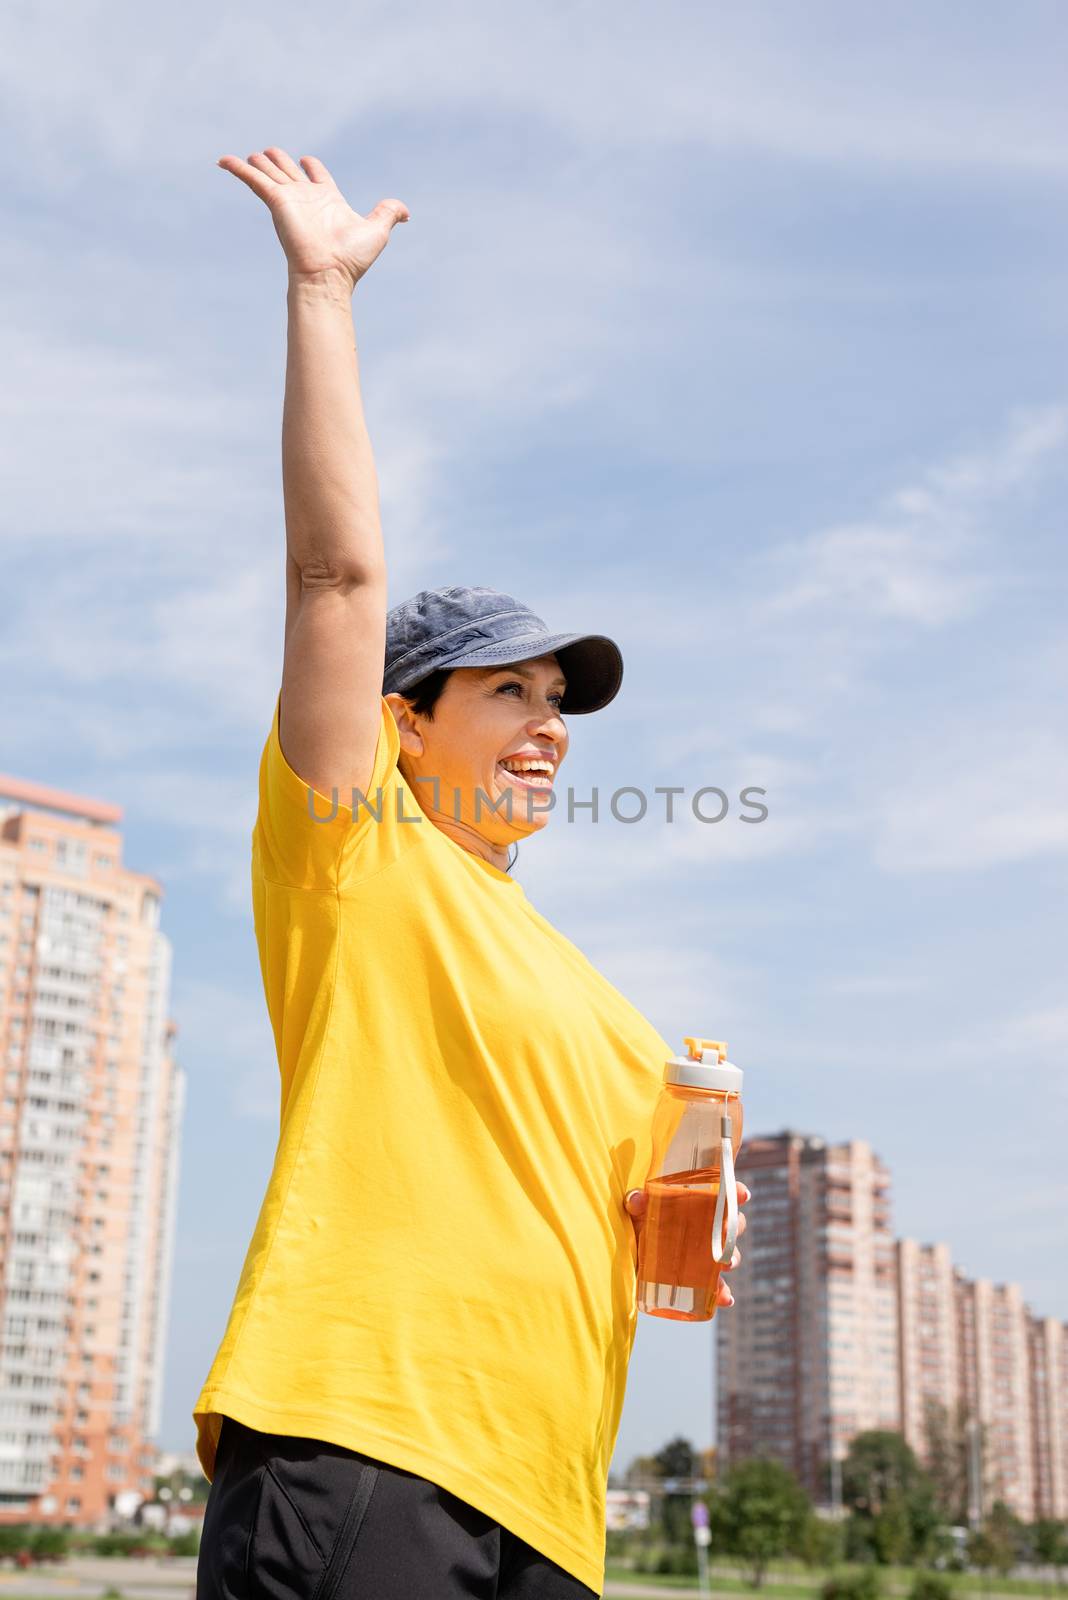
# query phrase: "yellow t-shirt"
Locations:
[[442, 1272]]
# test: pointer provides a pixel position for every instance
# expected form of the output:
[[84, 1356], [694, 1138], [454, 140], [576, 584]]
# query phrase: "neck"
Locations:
[[466, 836]]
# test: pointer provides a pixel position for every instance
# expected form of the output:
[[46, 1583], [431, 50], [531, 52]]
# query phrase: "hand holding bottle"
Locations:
[[691, 1192], [637, 1204]]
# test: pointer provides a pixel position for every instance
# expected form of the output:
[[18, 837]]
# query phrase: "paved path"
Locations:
[[173, 1579], [87, 1578]]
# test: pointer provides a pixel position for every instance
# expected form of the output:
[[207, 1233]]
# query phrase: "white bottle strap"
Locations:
[[726, 1201]]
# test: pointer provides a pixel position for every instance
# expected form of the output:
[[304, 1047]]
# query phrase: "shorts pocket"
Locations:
[[366, 1476], [312, 1500], [284, 1559]]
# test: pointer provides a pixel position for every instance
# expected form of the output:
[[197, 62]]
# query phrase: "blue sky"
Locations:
[[736, 333]]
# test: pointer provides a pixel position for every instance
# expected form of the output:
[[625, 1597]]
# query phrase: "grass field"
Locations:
[[788, 1581]]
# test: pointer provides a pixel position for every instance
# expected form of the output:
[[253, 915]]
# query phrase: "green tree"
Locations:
[[994, 1546], [982, 1551], [947, 1457], [820, 1545], [1049, 1541], [641, 1469], [949, 1442], [759, 1513], [1008, 1534], [892, 1531], [859, 1538], [878, 1463], [892, 1500], [676, 1459]]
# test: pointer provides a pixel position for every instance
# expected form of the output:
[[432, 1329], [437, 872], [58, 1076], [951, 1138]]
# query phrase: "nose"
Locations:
[[552, 726]]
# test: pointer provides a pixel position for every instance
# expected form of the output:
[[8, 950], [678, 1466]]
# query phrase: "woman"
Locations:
[[419, 1386]]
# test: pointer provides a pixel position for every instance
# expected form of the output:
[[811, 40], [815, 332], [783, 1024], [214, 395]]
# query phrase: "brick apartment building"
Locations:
[[90, 1114], [839, 1328]]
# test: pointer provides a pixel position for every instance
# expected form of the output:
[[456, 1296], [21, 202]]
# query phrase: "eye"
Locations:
[[556, 695]]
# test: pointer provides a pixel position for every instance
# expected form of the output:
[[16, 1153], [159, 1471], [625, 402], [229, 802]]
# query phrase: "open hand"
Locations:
[[319, 231], [637, 1203]]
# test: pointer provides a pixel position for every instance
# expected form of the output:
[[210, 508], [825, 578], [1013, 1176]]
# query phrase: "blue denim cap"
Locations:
[[461, 627]]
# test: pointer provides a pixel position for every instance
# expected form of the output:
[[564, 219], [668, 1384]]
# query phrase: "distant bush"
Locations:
[[49, 1544], [146, 1543], [14, 1538], [646, 1557], [676, 1561], [110, 1544], [862, 1585], [820, 1544], [930, 1586]]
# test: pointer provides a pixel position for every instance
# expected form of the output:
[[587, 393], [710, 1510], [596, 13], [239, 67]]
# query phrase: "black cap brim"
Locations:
[[591, 663]]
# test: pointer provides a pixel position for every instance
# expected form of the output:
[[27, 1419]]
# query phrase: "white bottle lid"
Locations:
[[704, 1067]]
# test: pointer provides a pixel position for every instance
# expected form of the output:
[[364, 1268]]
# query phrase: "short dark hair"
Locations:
[[424, 695]]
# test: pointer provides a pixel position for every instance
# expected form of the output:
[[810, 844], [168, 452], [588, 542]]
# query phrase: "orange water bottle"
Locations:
[[691, 1223]]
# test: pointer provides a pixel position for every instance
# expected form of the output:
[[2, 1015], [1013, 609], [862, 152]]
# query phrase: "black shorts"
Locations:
[[299, 1519]]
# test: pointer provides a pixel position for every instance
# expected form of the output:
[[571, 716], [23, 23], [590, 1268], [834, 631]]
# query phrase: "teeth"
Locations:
[[537, 773]]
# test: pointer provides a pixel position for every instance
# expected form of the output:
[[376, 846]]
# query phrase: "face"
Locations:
[[487, 721]]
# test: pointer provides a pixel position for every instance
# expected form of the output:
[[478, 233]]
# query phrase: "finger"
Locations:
[[637, 1202], [743, 1223], [734, 1260], [265, 187], [264, 164], [389, 212], [744, 1193], [315, 170], [282, 159], [724, 1297]]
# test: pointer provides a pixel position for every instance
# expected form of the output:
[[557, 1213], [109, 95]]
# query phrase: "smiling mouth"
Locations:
[[526, 780]]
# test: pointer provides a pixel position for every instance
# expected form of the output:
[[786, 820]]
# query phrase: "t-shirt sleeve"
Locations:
[[308, 840]]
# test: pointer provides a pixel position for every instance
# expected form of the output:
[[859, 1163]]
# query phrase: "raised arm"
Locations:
[[329, 712]]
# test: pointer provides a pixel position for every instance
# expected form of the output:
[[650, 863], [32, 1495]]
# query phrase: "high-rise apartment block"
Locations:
[[995, 1387], [839, 1329], [1048, 1341], [90, 1115], [811, 1360], [929, 1337]]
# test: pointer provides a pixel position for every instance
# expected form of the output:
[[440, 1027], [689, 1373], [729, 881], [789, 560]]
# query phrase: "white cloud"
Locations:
[[1045, 1030], [877, 984], [827, 83], [116, 447], [918, 559], [779, 687], [989, 795]]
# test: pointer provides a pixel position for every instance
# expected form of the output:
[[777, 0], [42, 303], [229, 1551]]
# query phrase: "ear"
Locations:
[[408, 724]]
